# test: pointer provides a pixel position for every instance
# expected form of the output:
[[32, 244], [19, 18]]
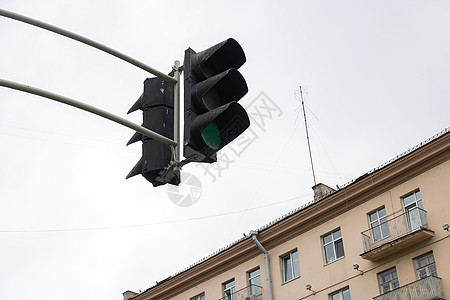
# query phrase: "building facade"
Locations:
[[383, 236]]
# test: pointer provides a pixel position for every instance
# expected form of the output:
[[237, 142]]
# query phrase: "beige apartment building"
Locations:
[[382, 236]]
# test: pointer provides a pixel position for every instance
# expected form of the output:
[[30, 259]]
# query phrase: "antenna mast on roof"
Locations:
[[307, 135]]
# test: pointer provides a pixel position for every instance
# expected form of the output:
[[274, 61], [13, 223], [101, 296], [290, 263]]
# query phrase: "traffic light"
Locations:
[[212, 87], [157, 105]]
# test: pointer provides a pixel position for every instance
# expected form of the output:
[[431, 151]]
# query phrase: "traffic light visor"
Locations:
[[221, 89], [222, 126], [223, 56]]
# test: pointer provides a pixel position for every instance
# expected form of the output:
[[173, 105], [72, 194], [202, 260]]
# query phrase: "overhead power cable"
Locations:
[[147, 224]]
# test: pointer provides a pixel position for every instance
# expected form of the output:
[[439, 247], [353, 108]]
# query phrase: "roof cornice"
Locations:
[[361, 190]]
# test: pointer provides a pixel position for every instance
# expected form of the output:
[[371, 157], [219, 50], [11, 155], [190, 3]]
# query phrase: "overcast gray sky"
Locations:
[[375, 77]]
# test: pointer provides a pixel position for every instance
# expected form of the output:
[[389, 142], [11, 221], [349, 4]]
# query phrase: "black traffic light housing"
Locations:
[[157, 105], [212, 87]]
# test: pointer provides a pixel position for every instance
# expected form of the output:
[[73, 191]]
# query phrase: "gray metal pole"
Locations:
[[86, 41], [89, 108], [176, 111]]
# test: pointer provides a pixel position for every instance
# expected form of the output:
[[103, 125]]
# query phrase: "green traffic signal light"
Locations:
[[211, 136]]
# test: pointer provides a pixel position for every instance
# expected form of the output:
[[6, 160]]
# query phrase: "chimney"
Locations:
[[321, 190], [128, 295]]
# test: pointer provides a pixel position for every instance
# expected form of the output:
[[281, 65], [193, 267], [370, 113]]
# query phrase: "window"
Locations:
[[254, 281], [413, 200], [425, 266], [290, 265], [379, 225], [414, 211], [229, 290], [341, 295], [333, 246], [199, 297], [388, 280]]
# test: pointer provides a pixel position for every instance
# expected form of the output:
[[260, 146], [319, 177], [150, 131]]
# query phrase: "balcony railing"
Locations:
[[251, 292], [394, 229], [423, 289]]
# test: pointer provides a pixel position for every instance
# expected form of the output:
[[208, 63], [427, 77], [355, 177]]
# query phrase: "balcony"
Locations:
[[251, 292], [396, 234], [427, 288]]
